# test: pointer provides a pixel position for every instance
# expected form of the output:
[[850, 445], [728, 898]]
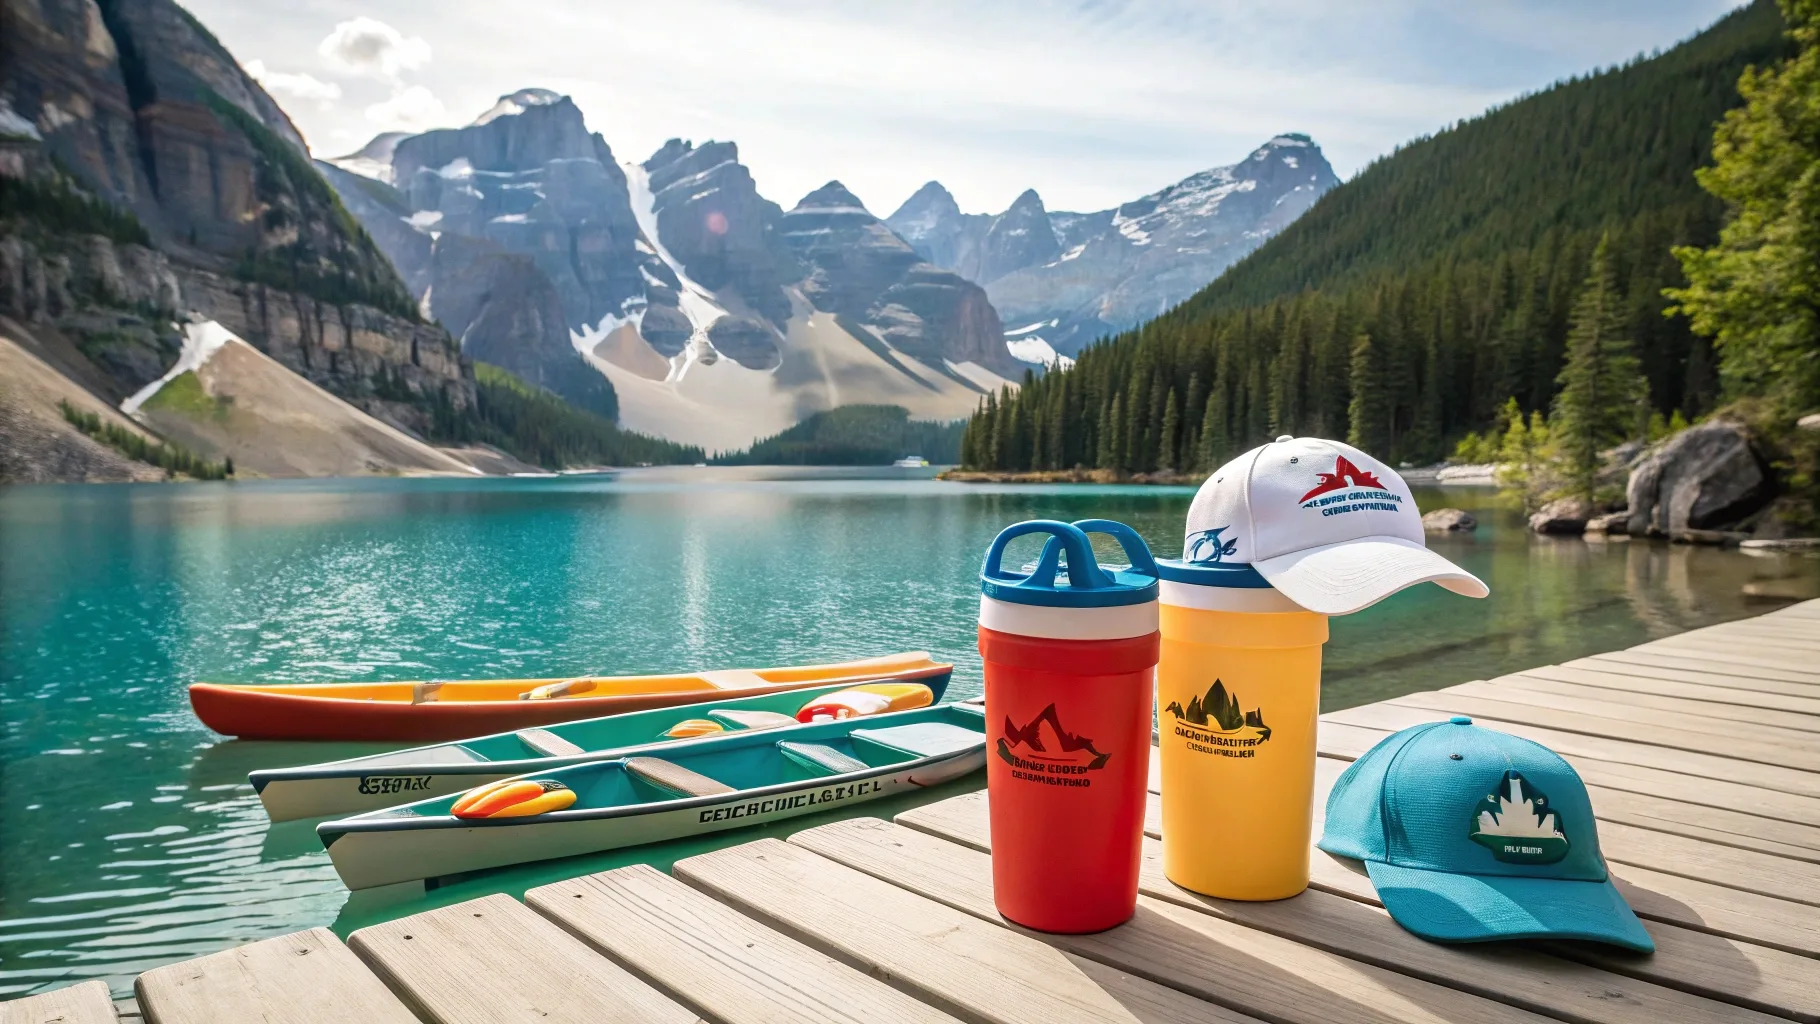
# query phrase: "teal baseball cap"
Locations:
[[1471, 835]]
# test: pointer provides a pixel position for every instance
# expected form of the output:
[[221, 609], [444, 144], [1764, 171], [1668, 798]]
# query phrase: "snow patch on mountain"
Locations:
[[200, 343], [517, 103], [1037, 352], [15, 124], [696, 302]]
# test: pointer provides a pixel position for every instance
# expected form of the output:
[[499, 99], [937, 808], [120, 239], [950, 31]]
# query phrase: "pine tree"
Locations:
[[1172, 424], [1211, 446], [1103, 456], [1755, 292], [1368, 415], [1601, 387]]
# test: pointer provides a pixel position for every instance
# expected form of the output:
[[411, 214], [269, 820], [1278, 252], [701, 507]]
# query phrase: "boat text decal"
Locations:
[[393, 783], [791, 803]]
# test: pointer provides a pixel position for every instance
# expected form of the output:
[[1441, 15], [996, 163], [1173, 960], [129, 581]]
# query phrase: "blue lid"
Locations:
[[1472, 834], [1081, 582], [1211, 574]]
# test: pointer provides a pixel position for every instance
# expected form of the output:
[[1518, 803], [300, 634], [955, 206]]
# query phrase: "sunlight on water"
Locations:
[[129, 837]]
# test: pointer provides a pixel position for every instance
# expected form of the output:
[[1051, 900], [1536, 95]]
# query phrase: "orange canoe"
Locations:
[[455, 710]]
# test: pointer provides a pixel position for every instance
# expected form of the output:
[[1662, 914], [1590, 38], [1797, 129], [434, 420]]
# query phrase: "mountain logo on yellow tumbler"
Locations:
[[1217, 725]]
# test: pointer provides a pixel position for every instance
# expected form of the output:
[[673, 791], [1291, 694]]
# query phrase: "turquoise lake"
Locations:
[[129, 837]]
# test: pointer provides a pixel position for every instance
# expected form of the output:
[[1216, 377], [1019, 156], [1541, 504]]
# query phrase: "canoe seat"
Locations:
[[924, 739], [736, 679], [675, 778], [423, 693], [547, 743], [816, 755], [752, 719]]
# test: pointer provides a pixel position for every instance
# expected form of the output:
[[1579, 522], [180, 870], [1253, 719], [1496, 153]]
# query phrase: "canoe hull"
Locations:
[[320, 797], [255, 713], [370, 858], [373, 783]]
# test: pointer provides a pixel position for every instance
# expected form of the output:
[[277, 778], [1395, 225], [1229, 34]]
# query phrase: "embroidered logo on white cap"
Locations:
[[1332, 528]]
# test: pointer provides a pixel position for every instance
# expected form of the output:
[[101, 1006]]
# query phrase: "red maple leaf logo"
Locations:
[[1344, 475]]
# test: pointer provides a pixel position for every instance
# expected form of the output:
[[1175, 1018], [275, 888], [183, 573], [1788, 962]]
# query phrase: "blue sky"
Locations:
[[1091, 102]]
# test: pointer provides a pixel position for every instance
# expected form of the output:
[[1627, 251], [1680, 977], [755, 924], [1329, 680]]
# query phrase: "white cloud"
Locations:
[[301, 86], [413, 108], [1092, 102], [364, 46]]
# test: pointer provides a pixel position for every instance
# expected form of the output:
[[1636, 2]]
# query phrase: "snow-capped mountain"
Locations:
[[1059, 280], [716, 316]]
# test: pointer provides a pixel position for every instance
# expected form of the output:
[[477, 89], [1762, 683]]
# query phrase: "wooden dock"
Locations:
[[1701, 752]]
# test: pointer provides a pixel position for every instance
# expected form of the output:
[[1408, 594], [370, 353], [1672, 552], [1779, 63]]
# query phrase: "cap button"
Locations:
[[1459, 720], [1283, 437]]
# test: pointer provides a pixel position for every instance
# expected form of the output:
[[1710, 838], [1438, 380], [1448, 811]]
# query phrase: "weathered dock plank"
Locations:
[[302, 978], [1768, 636], [1569, 695], [945, 958], [1249, 970], [1677, 730], [1671, 683], [494, 960], [1354, 927], [1392, 717], [1738, 648], [724, 964], [87, 1002], [1720, 671]]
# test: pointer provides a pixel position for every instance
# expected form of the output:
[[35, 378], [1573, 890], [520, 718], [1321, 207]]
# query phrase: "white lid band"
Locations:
[[1115, 622]]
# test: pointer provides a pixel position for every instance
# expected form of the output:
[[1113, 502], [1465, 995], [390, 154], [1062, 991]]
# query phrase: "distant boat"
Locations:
[[589, 471], [911, 462]]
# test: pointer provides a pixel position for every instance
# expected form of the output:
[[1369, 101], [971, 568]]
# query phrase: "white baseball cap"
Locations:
[[1330, 527]]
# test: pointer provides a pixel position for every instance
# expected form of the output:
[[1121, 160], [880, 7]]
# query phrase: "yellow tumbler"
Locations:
[[1238, 693]]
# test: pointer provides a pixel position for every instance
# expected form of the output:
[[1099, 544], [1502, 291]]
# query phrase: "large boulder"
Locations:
[[1449, 520], [1563, 516], [1704, 478]]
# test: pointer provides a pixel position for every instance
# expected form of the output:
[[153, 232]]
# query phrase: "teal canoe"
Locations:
[[659, 792], [377, 781]]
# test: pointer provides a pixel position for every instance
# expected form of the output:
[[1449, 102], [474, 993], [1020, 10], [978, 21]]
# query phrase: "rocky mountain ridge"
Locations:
[[155, 180], [1059, 280], [666, 268]]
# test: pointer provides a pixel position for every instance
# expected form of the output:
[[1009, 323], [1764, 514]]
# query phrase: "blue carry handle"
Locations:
[[1089, 586], [1084, 572], [1136, 551]]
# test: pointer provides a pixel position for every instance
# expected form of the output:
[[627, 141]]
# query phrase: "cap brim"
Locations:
[[1342, 578], [1480, 908]]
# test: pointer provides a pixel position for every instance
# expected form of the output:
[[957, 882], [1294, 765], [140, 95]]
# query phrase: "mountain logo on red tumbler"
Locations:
[[1344, 475], [1045, 743]]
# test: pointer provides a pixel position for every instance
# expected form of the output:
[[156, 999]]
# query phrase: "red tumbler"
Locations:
[[1070, 653]]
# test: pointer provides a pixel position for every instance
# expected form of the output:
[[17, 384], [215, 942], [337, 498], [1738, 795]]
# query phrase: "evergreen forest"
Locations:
[[853, 435], [1413, 303]]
